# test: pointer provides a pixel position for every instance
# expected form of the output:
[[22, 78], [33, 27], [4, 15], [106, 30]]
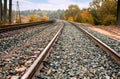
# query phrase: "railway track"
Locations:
[[7, 28], [115, 55], [10, 30], [39, 40], [77, 60], [31, 71], [33, 68], [29, 74]]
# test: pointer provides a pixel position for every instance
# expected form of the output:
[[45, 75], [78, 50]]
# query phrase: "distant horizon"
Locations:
[[43, 10], [49, 4]]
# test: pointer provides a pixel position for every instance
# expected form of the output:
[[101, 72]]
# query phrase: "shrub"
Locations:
[[70, 19], [31, 18], [109, 20], [44, 18]]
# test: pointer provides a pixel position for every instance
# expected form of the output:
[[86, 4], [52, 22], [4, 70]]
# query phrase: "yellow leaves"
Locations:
[[109, 20], [106, 11], [34, 18], [70, 19], [65, 17], [44, 18], [73, 13], [70, 13]]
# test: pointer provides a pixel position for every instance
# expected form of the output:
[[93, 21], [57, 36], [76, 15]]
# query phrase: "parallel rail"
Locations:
[[6, 28], [34, 67], [102, 45]]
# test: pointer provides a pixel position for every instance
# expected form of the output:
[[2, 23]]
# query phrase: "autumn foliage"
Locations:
[[104, 11], [44, 18], [34, 18], [73, 13], [86, 17], [100, 12]]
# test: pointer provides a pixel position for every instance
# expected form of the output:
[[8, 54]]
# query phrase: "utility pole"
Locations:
[[10, 11], [5, 11], [118, 13], [0, 10], [18, 16]]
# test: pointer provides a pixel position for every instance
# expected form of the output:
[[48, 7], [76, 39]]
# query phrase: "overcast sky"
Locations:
[[49, 4]]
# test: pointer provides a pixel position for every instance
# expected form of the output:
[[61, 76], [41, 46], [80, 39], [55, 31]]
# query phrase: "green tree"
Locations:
[[109, 20], [72, 11], [56, 14], [95, 16], [101, 9]]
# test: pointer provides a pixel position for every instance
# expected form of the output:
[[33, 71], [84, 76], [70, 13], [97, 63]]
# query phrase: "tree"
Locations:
[[72, 11], [31, 18], [118, 13], [108, 11], [58, 14], [95, 4], [87, 17], [95, 16], [101, 9]]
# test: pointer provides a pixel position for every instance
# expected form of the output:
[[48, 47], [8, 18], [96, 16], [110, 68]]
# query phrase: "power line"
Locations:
[[18, 16]]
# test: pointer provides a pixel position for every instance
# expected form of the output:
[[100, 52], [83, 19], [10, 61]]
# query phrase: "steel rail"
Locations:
[[33, 68], [102, 45], [6, 28]]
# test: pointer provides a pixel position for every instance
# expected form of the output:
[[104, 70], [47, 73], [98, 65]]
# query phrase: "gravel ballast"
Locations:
[[22, 56], [114, 44], [7, 44], [76, 57]]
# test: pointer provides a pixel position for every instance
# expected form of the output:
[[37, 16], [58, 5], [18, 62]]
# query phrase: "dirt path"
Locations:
[[111, 31]]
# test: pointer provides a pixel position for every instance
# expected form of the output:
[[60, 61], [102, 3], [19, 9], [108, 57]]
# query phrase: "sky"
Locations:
[[49, 4]]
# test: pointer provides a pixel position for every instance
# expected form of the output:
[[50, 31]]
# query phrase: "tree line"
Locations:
[[100, 12], [42, 15]]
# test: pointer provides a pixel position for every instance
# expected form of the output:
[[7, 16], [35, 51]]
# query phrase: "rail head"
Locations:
[[7, 28], [21, 24], [33, 68]]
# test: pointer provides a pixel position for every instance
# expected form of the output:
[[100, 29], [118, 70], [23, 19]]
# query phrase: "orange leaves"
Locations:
[[86, 12], [87, 17], [73, 13]]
